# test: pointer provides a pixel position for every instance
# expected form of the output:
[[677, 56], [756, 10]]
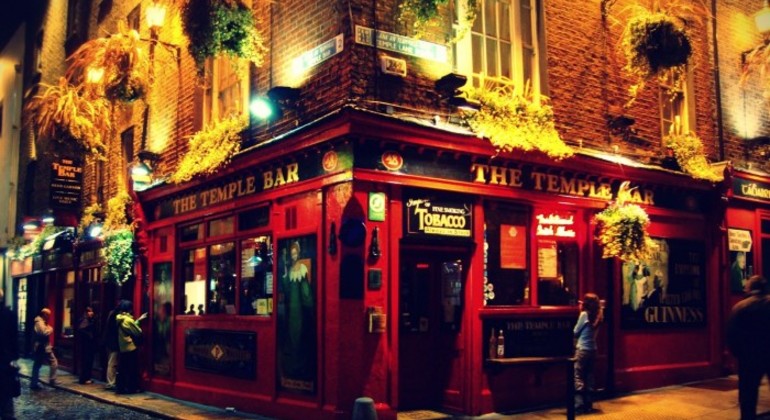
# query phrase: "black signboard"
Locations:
[[228, 353], [752, 190], [666, 290], [66, 183], [428, 216], [532, 337]]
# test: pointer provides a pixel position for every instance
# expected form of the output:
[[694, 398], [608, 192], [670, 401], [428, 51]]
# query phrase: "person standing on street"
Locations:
[[9, 352], [86, 339], [586, 328], [748, 338], [110, 341], [43, 350], [129, 334]]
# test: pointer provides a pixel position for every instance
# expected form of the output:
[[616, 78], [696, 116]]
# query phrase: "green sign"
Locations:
[[401, 44], [377, 204]]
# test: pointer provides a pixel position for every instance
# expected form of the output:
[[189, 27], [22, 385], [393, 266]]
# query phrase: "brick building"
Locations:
[[371, 241]]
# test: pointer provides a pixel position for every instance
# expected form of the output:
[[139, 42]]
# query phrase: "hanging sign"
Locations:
[[745, 188], [428, 217], [739, 240], [66, 183]]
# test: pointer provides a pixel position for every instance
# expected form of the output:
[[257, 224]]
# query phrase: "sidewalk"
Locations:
[[713, 399]]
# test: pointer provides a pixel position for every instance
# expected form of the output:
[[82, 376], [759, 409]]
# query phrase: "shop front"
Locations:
[[366, 256]]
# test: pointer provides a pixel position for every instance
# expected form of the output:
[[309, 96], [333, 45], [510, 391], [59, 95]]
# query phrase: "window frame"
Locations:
[[686, 109], [212, 92]]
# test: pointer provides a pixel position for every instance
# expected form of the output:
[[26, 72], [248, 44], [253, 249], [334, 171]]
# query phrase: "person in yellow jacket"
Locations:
[[129, 333]]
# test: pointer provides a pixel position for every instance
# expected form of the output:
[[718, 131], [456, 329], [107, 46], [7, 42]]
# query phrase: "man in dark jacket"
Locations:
[[9, 352], [748, 338], [110, 339], [43, 350]]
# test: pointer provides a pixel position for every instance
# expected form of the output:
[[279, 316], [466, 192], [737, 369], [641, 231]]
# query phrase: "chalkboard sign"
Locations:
[[532, 337]]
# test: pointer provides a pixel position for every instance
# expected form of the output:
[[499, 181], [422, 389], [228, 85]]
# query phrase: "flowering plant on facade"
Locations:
[[512, 119], [211, 148], [655, 43], [222, 26], [621, 229], [423, 14], [118, 240], [688, 151], [120, 62], [66, 111]]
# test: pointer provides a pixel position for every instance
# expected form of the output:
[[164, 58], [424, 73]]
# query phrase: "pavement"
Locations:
[[715, 399]]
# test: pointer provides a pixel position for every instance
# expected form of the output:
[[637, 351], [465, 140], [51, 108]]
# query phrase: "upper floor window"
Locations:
[[676, 103], [227, 88], [504, 45]]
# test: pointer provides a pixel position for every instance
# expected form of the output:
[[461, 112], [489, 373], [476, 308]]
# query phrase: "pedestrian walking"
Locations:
[[9, 352], [87, 344], [43, 350], [129, 335], [586, 328], [748, 338], [110, 341]]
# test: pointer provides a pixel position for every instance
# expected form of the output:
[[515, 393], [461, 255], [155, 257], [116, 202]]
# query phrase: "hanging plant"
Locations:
[[19, 249], [512, 119], [688, 151], [422, 14], [65, 111], [757, 60], [621, 229], [119, 255], [88, 218], [116, 217], [215, 27], [211, 148], [121, 60], [656, 43]]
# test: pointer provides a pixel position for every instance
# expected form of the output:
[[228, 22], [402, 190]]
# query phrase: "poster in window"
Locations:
[[666, 290], [513, 246], [741, 257], [297, 355], [547, 262], [161, 317]]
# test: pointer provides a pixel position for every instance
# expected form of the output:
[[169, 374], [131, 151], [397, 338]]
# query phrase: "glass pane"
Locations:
[[766, 228], [491, 58], [526, 23], [191, 233], [479, 22], [224, 226], [490, 20], [505, 21], [255, 218], [68, 300], [766, 257], [256, 276], [478, 66], [562, 289], [162, 312], [506, 69], [506, 258], [194, 275], [222, 278], [528, 65]]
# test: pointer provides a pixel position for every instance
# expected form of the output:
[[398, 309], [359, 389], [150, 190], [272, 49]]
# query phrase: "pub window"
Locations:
[[221, 227], [222, 278], [506, 260], [191, 233], [557, 258], [676, 103], [194, 275], [256, 291], [255, 218]]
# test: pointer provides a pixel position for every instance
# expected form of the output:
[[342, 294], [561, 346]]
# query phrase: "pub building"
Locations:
[[369, 256]]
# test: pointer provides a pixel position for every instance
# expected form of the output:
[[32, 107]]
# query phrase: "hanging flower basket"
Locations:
[[688, 151], [621, 230], [511, 119], [122, 59], [211, 148], [119, 253], [217, 27], [65, 111]]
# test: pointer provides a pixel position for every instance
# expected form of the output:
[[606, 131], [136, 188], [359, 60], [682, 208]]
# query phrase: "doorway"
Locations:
[[431, 345]]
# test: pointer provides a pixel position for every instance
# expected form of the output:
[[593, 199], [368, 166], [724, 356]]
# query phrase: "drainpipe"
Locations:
[[717, 83]]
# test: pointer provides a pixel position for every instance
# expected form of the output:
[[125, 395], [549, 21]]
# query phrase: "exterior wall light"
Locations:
[[278, 99], [30, 224], [141, 171], [156, 15], [48, 217], [448, 88], [762, 19]]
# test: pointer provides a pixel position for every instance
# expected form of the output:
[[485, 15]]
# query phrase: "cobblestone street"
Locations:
[[52, 403]]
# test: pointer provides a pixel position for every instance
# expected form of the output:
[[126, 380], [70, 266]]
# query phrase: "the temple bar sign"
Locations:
[[66, 183], [429, 217]]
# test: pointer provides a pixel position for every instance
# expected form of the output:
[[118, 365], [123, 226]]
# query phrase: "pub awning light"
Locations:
[[31, 224], [48, 217]]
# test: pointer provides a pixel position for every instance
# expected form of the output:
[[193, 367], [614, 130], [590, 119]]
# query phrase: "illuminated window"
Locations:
[[506, 256], [558, 257], [676, 104], [505, 44], [226, 90]]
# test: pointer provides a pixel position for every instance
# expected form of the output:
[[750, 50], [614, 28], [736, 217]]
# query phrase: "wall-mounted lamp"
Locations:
[[278, 98], [448, 88], [155, 15], [48, 217], [762, 19], [142, 169], [95, 230]]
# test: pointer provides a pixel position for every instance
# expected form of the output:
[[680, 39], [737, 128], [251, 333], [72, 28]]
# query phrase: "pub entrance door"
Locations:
[[431, 344]]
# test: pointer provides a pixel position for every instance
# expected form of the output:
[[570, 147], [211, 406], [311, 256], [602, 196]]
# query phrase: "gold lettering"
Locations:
[[568, 186], [267, 180], [583, 187], [553, 183], [292, 172], [279, 179], [515, 178], [538, 178], [497, 176], [479, 172], [649, 197]]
